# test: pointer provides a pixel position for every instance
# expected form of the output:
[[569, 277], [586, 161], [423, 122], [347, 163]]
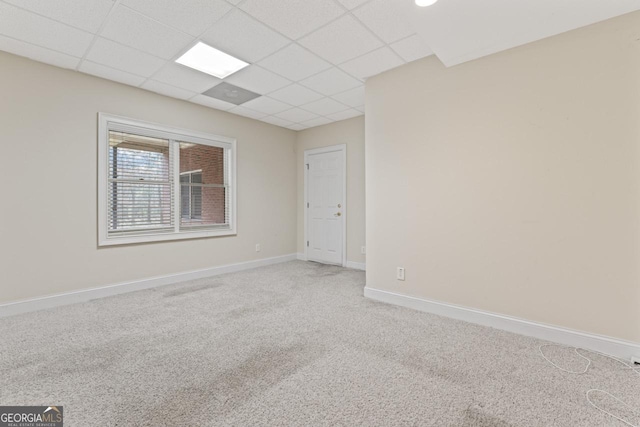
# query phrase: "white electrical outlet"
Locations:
[[400, 273], [363, 250], [258, 247]]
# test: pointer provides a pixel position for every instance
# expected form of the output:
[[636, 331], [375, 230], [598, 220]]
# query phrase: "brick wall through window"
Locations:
[[209, 160]]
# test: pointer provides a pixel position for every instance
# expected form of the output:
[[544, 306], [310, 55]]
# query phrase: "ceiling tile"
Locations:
[[317, 122], [72, 12], [267, 105], [325, 107], [385, 19], [294, 63], [123, 58], [185, 78], [191, 16], [110, 73], [352, 98], [352, 4], [31, 28], [38, 53], [342, 40], [346, 114], [293, 18], [133, 29], [242, 36], [412, 48], [257, 79], [295, 95], [297, 126], [168, 90], [212, 102], [246, 112], [296, 115], [331, 81], [276, 121], [372, 63]]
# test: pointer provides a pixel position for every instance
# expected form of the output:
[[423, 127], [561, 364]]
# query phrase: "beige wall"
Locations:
[[48, 231], [351, 133], [510, 184]]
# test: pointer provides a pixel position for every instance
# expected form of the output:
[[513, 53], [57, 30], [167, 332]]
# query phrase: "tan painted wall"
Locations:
[[351, 133], [48, 219], [511, 183]]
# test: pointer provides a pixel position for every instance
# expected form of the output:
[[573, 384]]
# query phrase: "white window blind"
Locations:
[[140, 184], [158, 183]]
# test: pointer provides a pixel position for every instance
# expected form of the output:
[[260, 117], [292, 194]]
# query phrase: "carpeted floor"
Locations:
[[293, 344]]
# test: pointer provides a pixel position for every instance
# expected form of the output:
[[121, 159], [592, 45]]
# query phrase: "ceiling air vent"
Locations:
[[230, 93]]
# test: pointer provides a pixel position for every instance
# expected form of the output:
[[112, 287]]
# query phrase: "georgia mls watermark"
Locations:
[[31, 416]]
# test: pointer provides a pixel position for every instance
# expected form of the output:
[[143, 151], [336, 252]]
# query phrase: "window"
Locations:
[[191, 195], [157, 183]]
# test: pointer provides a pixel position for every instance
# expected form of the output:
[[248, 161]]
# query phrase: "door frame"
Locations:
[[342, 148]]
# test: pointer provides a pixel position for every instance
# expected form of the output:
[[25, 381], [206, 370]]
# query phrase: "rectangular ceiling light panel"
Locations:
[[210, 60]]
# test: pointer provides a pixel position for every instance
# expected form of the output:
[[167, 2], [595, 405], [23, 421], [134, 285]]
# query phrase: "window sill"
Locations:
[[164, 237]]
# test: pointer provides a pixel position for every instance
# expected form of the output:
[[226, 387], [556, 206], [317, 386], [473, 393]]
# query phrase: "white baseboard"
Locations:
[[67, 298], [301, 257], [613, 346], [357, 265]]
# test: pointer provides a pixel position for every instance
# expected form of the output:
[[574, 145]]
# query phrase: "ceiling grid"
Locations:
[[308, 59]]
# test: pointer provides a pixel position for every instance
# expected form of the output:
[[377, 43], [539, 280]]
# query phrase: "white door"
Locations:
[[325, 204]]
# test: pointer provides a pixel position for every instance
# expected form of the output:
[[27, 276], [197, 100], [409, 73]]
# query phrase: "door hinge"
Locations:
[[307, 166], [307, 243], [307, 204]]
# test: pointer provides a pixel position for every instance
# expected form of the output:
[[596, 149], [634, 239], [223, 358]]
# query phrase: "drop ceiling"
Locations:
[[462, 30], [309, 58]]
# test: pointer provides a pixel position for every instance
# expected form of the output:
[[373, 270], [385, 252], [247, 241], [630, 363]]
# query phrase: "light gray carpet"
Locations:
[[290, 345]]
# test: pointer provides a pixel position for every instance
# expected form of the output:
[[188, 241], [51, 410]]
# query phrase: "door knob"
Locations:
[[338, 214]]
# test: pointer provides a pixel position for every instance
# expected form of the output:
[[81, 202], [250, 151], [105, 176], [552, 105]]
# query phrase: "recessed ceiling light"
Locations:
[[424, 3], [210, 60]]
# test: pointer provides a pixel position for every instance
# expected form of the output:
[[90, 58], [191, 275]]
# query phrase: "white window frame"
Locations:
[[107, 122]]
